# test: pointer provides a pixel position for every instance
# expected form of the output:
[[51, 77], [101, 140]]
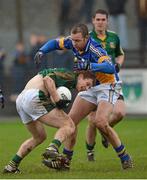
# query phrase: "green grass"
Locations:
[[133, 133]]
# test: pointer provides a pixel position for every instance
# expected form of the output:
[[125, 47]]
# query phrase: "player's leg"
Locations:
[[58, 119], [90, 136], [80, 109], [116, 116], [119, 111], [103, 113], [62, 161], [38, 136]]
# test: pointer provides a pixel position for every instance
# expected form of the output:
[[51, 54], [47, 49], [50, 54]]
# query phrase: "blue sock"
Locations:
[[121, 151], [68, 153]]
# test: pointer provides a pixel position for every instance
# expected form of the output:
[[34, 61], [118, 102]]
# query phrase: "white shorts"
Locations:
[[32, 104], [105, 92]]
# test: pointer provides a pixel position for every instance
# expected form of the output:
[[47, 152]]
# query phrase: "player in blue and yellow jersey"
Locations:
[[109, 41], [90, 56]]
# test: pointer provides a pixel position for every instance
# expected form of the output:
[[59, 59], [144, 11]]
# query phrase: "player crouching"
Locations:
[[40, 104]]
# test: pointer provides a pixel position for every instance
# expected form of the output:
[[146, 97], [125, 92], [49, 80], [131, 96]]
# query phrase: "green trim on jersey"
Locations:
[[61, 77], [111, 43], [46, 101]]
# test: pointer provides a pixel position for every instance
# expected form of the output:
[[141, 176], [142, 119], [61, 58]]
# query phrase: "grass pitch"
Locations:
[[133, 133]]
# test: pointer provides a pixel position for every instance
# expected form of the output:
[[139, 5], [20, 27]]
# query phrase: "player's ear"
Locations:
[[87, 36]]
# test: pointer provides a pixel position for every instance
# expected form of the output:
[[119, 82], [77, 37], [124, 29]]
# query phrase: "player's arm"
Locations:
[[51, 45], [105, 67], [119, 62], [51, 87], [119, 55], [46, 48], [103, 63]]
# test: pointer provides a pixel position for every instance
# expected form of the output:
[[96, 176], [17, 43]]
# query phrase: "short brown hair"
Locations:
[[87, 75], [101, 11], [80, 28]]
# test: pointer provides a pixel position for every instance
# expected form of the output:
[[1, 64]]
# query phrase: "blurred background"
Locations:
[[27, 24]]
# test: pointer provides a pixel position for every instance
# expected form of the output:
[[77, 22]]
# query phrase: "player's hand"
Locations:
[[2, 99], [117, 67], [38, 57], [61, 104], [82, 65]]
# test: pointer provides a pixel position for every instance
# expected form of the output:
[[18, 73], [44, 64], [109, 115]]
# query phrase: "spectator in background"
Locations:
[[1, 99], [118, 22], [36, 41], [2, 58], [142, 20], [41, 40], [63, 15], [19, 70], [34, 46], [86, 11]]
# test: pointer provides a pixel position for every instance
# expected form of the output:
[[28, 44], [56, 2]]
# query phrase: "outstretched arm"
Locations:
[[51, 45], [46, 48]]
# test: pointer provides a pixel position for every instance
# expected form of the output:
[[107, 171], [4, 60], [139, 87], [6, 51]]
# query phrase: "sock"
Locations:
[[15, 161], [121, 151], [55, 143], [89, 146], [68, 153]]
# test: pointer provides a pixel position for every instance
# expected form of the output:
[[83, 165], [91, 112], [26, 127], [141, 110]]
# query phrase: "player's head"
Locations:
[[100, 20], [79, 36], [86, 80]]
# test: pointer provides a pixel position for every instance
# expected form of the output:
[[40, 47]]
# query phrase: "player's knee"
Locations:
[[91, 117], [119, 114], [101, 125], [72, 127]]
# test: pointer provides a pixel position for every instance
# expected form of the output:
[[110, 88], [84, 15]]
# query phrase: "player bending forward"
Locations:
[[39, 104]]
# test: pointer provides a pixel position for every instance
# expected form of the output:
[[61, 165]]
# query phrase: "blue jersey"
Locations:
[[93, 52]]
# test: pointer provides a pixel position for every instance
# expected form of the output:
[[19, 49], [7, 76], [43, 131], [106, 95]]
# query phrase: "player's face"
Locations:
[[84, 84], [100, 22], [78, 41]]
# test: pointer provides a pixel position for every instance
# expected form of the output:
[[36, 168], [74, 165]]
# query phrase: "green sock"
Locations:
[[15, 161], [55, 143], [89, 146]]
